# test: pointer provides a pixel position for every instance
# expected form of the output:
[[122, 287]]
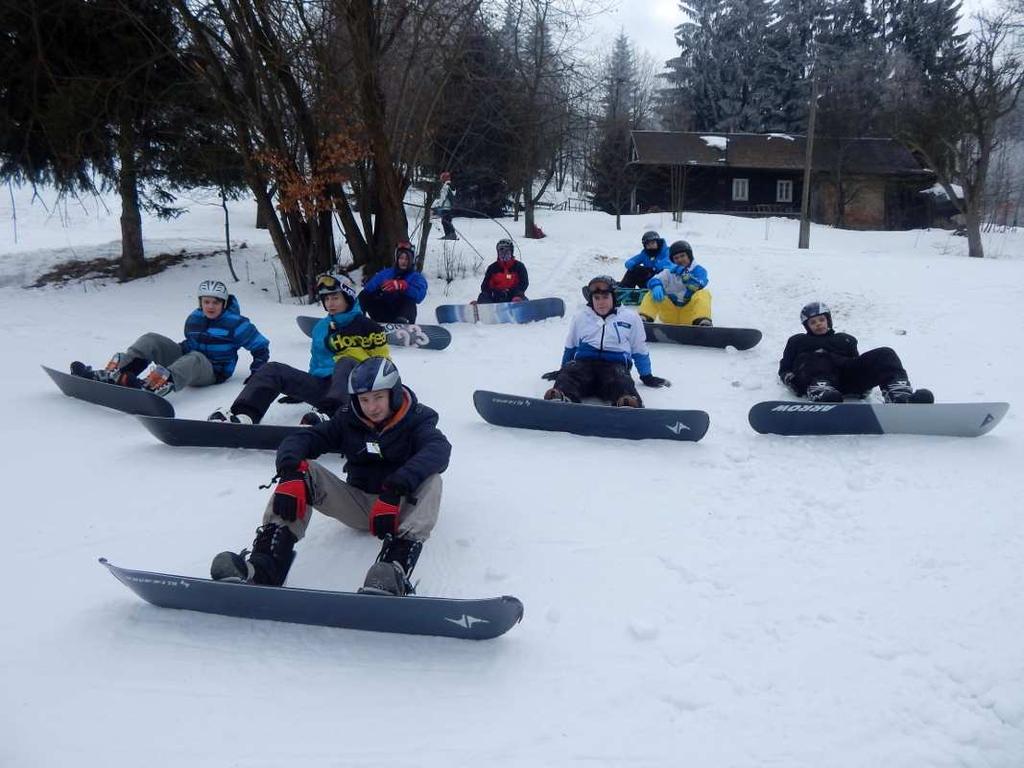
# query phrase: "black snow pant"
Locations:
[[446, 224], [388, 306], [595, 378], [637, 277], [498, 297], [273, 379], [850, 375]]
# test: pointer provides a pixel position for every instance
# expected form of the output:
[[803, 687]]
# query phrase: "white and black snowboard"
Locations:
[[703, 335], [124, 399], [779, 417], [464, 619], [399, 334], [592, 420]]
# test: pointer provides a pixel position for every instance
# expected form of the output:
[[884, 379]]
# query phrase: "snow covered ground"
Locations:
[[743, 601]]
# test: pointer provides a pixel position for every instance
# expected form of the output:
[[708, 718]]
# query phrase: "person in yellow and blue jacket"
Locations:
[[342, 339], [678, 295]]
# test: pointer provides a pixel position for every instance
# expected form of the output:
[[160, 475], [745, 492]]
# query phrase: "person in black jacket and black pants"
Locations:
[[506, 279], [395, 456], [823, 365]]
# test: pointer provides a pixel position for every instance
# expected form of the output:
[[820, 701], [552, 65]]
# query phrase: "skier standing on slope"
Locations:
[[445, 201], [341, 340], [214, 332], [604, 341], [646, 264], [392, 294], [678, 294], [395, 455], [506, 279], [824, 365]]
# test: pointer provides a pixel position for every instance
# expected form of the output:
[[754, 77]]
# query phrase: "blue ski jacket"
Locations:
[[416, 283], [346, 334], [220, 339], [657, 262]]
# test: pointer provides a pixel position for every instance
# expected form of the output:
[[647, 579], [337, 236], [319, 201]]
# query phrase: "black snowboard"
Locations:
[[123, 399], [591, 420], [804, 418], [465, 619], [703, 336], [216, 434], [399, 334]]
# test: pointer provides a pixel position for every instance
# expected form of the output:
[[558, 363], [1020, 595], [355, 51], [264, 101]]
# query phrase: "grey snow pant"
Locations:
[[188, 369], [332, 496]]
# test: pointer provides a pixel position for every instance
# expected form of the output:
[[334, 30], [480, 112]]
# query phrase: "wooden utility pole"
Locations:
[[805, 201]]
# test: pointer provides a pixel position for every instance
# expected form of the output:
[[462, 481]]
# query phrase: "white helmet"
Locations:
[[214, 289]]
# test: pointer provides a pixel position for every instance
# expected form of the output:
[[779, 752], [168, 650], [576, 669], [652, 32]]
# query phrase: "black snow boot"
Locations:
[[823, 392], [899, 391], [268, 562], [390, 574]]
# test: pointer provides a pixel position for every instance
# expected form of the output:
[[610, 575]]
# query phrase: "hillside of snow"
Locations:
[[747, 600]]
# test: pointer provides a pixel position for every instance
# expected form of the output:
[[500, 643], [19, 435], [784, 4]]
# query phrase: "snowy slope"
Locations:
[[743, 601]]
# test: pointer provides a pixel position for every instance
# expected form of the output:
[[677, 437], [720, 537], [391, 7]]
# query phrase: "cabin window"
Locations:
[[784, 191], [741, 189]]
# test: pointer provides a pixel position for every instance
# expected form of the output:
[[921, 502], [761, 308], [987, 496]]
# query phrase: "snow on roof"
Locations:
[[785, 136], [937, 190], [718, 142]]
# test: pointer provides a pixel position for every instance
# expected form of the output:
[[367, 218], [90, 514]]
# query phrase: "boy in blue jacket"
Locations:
[[646, 264], [214, 332], [341, 340], [392, 294]]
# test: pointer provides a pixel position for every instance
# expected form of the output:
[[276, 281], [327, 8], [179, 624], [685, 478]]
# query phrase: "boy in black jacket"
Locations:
[[395, 456], [824, 365], [506, 279]]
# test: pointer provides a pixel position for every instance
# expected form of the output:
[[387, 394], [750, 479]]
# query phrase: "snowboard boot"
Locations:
[[227, 415], [158, 381], [557, 395], [314, 417], [823, 392], [628, 401], [900, 391], [123, 371], [390, 574], [704, 322], [268, 562]]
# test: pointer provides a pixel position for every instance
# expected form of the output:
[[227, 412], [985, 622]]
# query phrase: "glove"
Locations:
[[518, 298], [550, 375], [658, 293], [290, 494], [394, 285], [655, 381], [787, 378], [384, 512], [677, 269]]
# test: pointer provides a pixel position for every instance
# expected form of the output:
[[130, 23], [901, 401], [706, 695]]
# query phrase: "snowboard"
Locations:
[[804, 418], [216, 434], [399, 334], [629, 297], [507, 312], [703, 336], [481, 619], [591, 420], [125, 399]]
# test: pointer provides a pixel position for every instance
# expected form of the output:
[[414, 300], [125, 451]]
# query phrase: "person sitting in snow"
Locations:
[[392, 294], [395, 455], [604, 341], [208, 355], [678, 295], [506, 279], [646, 264], [823, 365], [341, 340]]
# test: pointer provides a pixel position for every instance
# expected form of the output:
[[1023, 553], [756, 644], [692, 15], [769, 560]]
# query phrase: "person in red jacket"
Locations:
[[506, 279]]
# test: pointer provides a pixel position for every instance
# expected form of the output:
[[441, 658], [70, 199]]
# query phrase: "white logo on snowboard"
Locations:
[[803, 408], [676, 428], [467, 621]]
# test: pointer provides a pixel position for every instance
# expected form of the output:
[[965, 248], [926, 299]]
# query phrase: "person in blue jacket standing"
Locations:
[[646, 264], [214, 332], [392, 294]]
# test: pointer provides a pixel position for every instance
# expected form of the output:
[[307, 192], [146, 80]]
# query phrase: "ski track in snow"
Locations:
[[747, 600]]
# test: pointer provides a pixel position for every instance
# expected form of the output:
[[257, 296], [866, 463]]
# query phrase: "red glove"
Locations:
[[517, 298], [394, 285], [290, 494], [384, 516]]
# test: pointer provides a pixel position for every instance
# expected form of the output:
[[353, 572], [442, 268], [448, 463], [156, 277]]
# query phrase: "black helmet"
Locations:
[[680, 246], [814, 309], [329, 283], [505, 249], [373, 374], [651, 236], [589, 287]]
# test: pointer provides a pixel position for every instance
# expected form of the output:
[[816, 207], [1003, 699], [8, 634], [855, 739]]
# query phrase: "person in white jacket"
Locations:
[[604, 342], [445, 200]]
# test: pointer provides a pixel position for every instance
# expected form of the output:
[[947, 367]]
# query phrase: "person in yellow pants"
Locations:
[[678, 295]]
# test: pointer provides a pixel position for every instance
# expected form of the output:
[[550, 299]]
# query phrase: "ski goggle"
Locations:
[[328, 284]]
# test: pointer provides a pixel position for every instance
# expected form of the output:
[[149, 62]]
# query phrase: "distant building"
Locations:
[[858, 183]]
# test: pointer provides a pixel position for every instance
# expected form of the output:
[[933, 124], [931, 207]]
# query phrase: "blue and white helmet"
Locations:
[[213, 289], [374, 374]]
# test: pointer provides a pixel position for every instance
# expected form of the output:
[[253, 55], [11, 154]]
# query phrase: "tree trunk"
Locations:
[[133, 258], [972, 221], [528, 206]]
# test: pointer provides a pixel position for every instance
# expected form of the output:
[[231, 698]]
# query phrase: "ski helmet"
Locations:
[[375, 373], [680, 246], [213, 289], [650, 236], [506, 249], [329, 283], [814, 309], [404, 246], [608, 280]]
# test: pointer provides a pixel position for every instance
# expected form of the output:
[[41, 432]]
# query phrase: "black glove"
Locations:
[[787, 378], [650, 380], [395, 487], [290, 494], [551, 375], [289, 400]]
